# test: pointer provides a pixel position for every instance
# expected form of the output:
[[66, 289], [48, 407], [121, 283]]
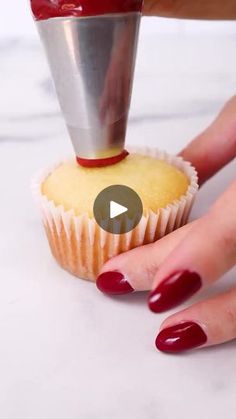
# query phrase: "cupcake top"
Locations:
[[155, 181]]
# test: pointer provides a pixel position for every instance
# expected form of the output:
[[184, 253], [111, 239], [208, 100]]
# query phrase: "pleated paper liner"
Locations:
[[81, 247]]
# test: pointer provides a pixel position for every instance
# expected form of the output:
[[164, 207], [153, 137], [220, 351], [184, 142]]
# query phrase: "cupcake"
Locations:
[[66, 193]]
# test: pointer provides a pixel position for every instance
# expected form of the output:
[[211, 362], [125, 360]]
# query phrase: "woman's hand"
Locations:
[[190, 9], [195, 256]]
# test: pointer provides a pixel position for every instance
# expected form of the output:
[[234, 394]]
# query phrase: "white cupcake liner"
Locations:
[[82, 247]]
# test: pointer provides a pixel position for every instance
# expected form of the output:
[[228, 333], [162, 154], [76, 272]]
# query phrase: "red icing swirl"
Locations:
[[107, 161], [45, 9]]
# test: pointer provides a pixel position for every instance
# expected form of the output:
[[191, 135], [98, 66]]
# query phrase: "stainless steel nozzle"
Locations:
[[92, 61]]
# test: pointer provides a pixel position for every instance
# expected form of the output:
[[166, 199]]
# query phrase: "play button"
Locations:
[[118, 209]]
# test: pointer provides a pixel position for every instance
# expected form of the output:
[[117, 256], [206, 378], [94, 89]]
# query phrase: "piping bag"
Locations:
[[91, 48]]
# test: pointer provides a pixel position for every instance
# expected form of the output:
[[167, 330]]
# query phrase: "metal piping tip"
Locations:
[[92, 61]]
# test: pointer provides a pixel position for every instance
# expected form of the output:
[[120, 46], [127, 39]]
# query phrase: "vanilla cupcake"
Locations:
[[66, 193]]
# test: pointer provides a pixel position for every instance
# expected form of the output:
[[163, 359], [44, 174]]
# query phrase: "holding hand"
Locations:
[[187, 9], [195, 256]]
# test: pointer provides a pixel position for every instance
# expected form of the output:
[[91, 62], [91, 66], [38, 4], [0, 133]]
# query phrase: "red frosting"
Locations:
[[107, 161], [45, 9]]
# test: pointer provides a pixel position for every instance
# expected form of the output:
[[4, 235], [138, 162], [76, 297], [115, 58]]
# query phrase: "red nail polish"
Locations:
[[181, 337], [113, 283], [174, 290]]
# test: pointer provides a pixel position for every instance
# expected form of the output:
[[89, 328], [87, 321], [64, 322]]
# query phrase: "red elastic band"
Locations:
[[107, 161]]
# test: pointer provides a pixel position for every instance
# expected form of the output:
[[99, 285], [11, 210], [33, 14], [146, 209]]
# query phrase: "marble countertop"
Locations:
[[67, 351]]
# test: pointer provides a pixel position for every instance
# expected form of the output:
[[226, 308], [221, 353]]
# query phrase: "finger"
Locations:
[[210, 322], [201, 9], [206, 252], [216, 146], [135, 270]]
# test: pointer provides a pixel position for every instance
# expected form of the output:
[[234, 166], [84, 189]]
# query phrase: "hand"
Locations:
[[201, 9], [190, 258]]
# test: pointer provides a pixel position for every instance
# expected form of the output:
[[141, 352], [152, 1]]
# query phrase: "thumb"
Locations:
[[216, 146]]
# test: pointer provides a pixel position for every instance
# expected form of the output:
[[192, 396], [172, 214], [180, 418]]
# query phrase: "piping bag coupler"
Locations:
[[91, 49]]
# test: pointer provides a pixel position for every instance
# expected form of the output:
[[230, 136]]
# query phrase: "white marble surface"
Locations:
[[67, 351]]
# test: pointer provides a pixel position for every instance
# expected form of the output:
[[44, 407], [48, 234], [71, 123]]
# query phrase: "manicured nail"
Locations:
[[174, 290], [181, 337], [113, 283]]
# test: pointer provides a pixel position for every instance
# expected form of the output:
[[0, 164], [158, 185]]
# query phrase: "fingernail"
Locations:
[[174, 290], [113, 283], [181, 337]]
